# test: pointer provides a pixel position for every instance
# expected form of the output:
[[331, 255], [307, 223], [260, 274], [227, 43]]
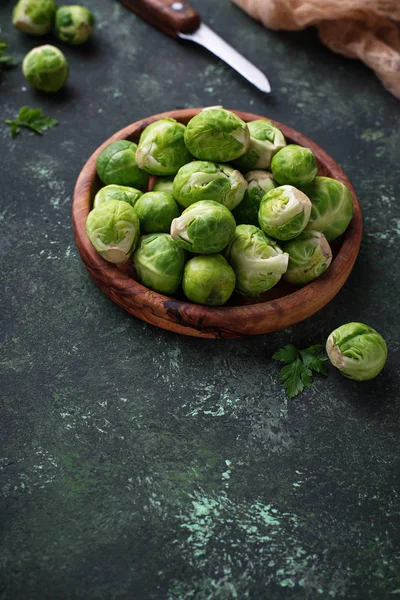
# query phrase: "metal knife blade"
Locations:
[[179, 20], [214, 43]]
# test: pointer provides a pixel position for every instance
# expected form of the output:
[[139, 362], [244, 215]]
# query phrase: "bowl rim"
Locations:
[[200, 320]]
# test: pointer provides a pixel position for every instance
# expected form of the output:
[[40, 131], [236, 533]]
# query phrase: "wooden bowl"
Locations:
[[278, 308]]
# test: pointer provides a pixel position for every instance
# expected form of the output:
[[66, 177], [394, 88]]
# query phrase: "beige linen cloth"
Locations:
[[364, 29]]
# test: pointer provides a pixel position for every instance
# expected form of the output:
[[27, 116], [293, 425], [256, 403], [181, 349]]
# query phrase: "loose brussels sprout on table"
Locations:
[[74, 24], [309, 256], [218, 135], [259, 183], [117, 192], [294, 165], [332, 206], [113, 229], [205, 227], [257, 260], [116, 164], [203, 180], [34, 16], [45, 68], [156, 211], [284, 212], [161, 149], [163, 184], [159, 262], [265, 141], [357, 350], [208, 280]]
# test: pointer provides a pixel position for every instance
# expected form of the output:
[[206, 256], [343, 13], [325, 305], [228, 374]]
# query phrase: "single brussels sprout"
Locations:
[[258, 261], [161, 149], [117, 192], [265, 141], [113, 229], [74, 24], [358, 351], [259, 183], [163, 184], [201, 180], [45, 68], [158, 262], [332, 207], [217, 134], [205, 227], [156, 211], [116, 164], [208, 280], [284, 212], [309, 256], [294, 165], [34, 16]]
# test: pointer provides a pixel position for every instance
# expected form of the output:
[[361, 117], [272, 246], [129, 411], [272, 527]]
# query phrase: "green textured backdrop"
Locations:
[[139, 464]]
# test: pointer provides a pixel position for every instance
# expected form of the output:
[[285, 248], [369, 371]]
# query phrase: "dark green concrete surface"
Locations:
[[139, 464]]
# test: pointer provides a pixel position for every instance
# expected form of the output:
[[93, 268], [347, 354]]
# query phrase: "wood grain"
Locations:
[[268, 313], [170, 16]]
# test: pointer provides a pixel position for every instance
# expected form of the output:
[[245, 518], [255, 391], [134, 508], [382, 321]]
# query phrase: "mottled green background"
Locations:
[[139, 464]]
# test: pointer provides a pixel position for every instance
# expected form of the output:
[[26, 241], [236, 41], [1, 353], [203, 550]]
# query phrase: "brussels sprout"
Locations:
[[113, 229], [201, 180], [309, 256], [259, 183], [159, 262], [117, 192], [161, 149], [156, 210], [74, 24], [34, 16], [284, 212], [45, 68], [358, 351], [117, 164], [265, 141], [257, 260], [163, 184], [332, 207], [208, 280], [217, 134], [294, 165], [205, 227]]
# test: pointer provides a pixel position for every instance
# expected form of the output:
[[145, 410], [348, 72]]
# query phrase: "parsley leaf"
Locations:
[[297, 374], [31, 118], [5, 61], [286, 354], [313, 359]]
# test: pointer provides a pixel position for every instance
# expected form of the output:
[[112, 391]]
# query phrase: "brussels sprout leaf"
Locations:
[[5, 61], [298, 372], [31, 118]]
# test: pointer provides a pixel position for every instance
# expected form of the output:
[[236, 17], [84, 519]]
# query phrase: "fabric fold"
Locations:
[[365, 29]]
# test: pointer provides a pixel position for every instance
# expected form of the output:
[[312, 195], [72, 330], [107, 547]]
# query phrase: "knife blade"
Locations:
[[178, 19]]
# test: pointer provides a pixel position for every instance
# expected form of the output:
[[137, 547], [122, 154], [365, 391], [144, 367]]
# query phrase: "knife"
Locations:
[[178, 19]]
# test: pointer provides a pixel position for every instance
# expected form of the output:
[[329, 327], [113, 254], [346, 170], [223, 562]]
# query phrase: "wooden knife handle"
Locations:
[[170, 16]]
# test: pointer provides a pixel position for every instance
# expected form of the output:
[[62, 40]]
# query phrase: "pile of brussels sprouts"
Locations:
[[45, 67], [233, 208]]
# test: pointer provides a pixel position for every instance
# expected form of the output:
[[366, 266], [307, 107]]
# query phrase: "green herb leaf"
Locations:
[[295, 377], [297, 374], [286, 354], [31, 118], [5, 61], [314, 359]]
